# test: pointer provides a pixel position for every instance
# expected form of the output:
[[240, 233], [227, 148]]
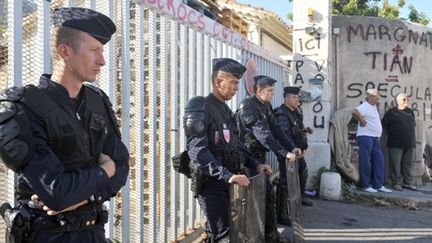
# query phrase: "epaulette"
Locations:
[[12, 93]]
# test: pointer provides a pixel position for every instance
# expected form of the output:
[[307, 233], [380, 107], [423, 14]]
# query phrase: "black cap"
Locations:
[[229, 65], [291, 90], [98, 25], [264, 80]]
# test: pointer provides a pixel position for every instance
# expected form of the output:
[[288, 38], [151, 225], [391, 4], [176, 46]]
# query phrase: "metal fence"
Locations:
[[158, 59]]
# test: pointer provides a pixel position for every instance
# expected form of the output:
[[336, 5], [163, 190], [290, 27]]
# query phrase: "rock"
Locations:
[[331, 186]]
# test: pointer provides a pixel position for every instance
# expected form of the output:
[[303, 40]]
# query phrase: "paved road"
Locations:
[[330, 221]]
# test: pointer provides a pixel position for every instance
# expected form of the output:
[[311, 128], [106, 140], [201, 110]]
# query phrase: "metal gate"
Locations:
[[158, 59]]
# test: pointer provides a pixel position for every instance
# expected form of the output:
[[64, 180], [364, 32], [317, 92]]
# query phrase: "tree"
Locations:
[[415, 16], [374, 8]]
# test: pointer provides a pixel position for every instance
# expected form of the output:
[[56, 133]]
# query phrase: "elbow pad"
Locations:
[[194, 117], [247, 114], [16, 138]]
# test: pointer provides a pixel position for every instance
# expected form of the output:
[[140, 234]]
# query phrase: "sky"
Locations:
[[283, 7]]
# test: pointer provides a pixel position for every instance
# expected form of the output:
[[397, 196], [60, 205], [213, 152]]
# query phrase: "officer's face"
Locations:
[[226, 86], [86, 61], [266, 93], [292, 101]]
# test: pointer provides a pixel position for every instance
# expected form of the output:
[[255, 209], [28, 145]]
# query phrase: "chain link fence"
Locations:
[[156, 61]]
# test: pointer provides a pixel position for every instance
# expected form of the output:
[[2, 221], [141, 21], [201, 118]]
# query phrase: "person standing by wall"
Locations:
[[290, 118], [214, 149], [399, 123], [261, 133], [62, 139], [371, 158]]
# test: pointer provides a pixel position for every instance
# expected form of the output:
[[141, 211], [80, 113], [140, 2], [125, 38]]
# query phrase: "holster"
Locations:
[[180, 163], [197, 182], [18, 222]]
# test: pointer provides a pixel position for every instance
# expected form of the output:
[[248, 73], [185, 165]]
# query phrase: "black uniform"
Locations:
[[291, 122], [261, 133], [259, 130], [216, 154], [53, 142], [66, 137]]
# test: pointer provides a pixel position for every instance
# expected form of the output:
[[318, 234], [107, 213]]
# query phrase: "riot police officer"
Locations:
[[261, 133], [62, 139], [290, 118], [214, 149]]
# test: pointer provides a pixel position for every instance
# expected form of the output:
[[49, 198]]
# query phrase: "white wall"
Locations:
[[311, 61], [275, 47]]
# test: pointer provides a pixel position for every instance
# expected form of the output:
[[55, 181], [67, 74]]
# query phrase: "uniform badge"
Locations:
[[226, 133]]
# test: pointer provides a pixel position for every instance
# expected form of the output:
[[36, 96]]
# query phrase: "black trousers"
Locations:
[[303, 174], [282, 188], [215, 202]]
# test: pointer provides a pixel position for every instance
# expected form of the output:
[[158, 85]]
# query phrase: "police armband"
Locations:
[[194, 116], [16, 139], [247, 114]]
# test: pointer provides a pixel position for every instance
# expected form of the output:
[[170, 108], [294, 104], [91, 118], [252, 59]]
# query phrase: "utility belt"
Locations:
[[77, 220], [22, 221]]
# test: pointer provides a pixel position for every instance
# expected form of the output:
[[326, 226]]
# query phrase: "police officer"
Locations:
[[290, 118], [261, 133], [61, 136], [214, 149]]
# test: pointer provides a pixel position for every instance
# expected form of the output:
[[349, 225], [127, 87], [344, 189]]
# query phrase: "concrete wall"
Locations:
[[275, 47], [310, 68], [389, 55]]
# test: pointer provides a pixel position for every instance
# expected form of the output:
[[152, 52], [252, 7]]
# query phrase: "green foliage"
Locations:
[[377, 8], [415, 16], [290, 16], [354, 7]]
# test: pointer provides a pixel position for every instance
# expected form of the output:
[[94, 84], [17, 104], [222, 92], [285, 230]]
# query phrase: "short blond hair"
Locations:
[[64, 35]]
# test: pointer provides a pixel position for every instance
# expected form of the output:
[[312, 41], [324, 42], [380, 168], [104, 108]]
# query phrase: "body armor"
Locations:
[[292, 121], [248, 114], [76, 141], [200, 110]]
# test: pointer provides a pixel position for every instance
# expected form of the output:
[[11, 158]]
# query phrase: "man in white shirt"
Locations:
[[371, 158]]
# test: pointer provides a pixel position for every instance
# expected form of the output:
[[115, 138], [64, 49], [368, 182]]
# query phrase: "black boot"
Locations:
[[284, 220], [272, 236]]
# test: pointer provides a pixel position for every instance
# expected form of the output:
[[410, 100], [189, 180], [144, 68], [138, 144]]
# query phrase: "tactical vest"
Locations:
[[77, 140], [264, 114], [298, 135], [230, 155]]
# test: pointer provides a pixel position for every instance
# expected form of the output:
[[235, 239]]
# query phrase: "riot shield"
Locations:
[[248, 210], [294, 201]]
